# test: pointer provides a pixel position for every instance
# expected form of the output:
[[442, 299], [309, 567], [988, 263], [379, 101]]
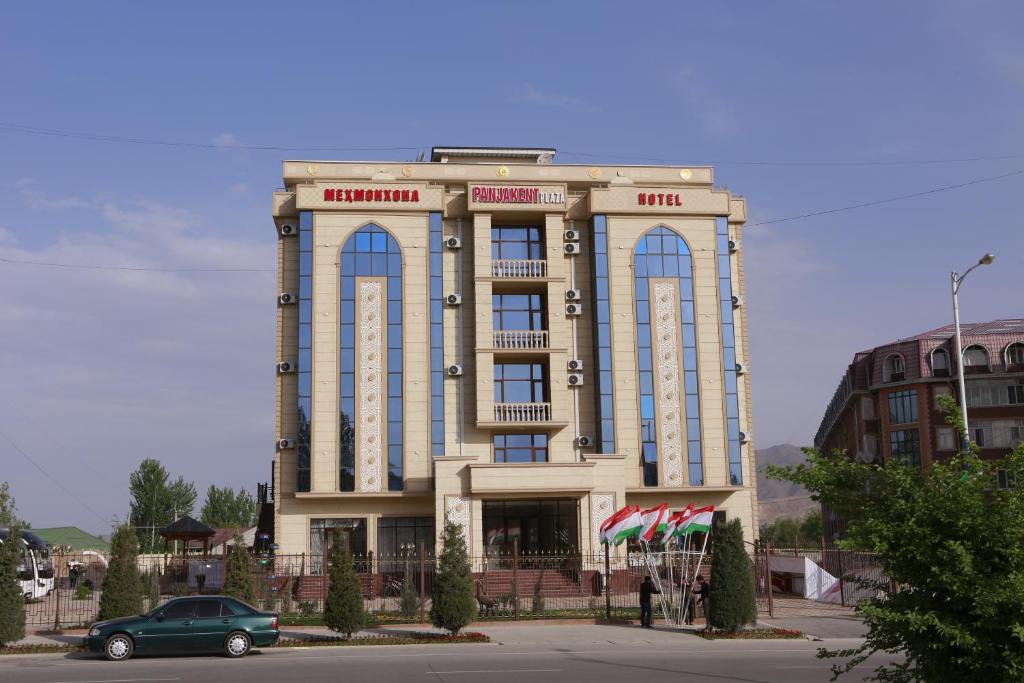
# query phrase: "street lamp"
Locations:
[[956, 281]]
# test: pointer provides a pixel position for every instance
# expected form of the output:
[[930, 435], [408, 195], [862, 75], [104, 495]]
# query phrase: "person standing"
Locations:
[[646, 590], [690, 603], [704, 591]]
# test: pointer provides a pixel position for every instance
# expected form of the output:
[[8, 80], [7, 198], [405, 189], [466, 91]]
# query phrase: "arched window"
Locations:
[[894, 368], [1014, 355], [940, 363], [371, 326], [666, 323], [976, 359]]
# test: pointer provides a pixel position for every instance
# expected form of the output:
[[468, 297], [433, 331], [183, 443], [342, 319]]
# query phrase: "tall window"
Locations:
[[732, 402], [893, 370], [940, 363], [520, 448], [371, 252], [518, 311], [305, 360], [902, 407], [516, 242], [603, 338], [975, 359], [905, 447], [661, 253], [399, 538], [436, 336], [519, 383], [1015, 354]]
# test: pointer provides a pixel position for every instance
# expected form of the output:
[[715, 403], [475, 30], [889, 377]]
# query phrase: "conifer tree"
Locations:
[[343, 611], [122, 585], [238, 579], [453, 603], [409, 602], [733, 599], [12, 611]]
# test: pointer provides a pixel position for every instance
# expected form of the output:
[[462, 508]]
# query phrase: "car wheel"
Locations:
[[237, 644], [118, 647]]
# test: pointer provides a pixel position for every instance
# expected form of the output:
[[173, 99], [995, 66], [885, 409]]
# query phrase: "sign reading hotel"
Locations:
[[387, 196], [516, 197]]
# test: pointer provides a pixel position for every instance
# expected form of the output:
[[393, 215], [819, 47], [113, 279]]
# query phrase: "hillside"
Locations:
[[780, 498]]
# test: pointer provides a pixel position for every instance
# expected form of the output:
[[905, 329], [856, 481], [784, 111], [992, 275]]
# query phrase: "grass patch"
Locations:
[[410, 639], [752, 634]]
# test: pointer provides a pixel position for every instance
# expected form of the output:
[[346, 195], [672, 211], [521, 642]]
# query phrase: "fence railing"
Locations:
[[522, 412], [520, 339], [519, 268]]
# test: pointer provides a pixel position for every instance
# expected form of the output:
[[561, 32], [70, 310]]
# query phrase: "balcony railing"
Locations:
[[522, 412], [512, 267], [520, 339]]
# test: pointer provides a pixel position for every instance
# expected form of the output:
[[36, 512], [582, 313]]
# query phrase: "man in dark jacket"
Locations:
[[704, 592], [646, 590]]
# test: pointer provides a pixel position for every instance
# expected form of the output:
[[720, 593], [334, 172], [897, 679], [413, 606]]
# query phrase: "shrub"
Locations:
[[307, 608], [733, 598], [12, 611], [179, 588], [153, 589], [122, 587], [287, 604], [538, 599], [409, 602], [453, 604], [343, 610], [83, 593], [238, 579]]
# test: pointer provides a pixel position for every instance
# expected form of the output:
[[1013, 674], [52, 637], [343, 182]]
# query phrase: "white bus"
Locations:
[[35, 567]]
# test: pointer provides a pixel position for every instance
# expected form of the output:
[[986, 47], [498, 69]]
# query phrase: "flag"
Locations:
[[653, 520], [672, 522], [621, 525], [699, 521]]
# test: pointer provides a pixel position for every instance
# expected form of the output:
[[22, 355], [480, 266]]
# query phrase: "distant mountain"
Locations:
[[780, 498]]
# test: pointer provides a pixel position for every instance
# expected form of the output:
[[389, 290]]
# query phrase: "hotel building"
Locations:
[[516, 345]]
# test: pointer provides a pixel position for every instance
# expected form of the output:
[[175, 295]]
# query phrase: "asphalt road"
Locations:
[[690, 660]]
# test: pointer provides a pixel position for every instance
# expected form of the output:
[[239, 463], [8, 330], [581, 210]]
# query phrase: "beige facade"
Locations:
[[361, 341]]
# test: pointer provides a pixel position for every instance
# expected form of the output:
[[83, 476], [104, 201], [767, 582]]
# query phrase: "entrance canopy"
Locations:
[[188, 529]]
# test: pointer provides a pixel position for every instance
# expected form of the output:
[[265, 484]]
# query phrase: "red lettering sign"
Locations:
[[659, 199], [359, 194]]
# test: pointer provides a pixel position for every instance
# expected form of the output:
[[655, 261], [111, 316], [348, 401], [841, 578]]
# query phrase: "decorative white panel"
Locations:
[[371, 347], [458, 510], [602, 505], [670, 446]]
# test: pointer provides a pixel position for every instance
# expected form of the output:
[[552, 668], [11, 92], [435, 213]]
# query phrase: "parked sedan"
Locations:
[[201, 624]]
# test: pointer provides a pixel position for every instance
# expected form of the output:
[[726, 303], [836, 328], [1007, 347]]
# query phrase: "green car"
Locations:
[[199, 624]]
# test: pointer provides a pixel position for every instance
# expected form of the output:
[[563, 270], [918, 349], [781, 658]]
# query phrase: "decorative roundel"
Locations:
[[673, 456], [603, 505], [664, 317], [371, 378], [371, 418], [685, 174], [371, 337], [371, 481], [371, 461], [503, 171], [664, 298], [670, 416], [673, 476], [671, 435], [407, 171], [458, 507], [669, 396], [313, 169], [371, 438], [668, 355], [371, 317], [666, 337], [594, 172]]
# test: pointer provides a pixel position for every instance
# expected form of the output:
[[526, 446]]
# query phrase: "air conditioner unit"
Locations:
[[455, 371], [575, 379], [572, 235], [453, 299], [285, 366], [734, 246], [573, 309], [572, 295], [737, 301], [454, 243], [285, 443], [285, 298], [584, 441], [576, 364], [744, 437], [572, 248], [741, 368], [289, 229]]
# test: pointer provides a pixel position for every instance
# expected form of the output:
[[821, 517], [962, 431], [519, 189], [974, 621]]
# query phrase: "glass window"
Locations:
[[516, 242], [540, 526], [437, 383], [520, 448], [1015, 354], [903, 407], [305, 369], [893, 370], [181, 609], [399, 537], [975, 357], [518, 311], [322, 532], [519, 383], [945, 439], [905, 447], [940, 362], [1015, 394], [227, 610], [208, 608]]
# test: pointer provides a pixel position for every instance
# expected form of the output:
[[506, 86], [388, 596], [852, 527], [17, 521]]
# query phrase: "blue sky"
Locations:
[[99, 369]]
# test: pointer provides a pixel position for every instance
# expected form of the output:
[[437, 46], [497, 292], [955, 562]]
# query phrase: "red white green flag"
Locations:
[[672, 522], [621, 525], [653, 521], [698, 522]]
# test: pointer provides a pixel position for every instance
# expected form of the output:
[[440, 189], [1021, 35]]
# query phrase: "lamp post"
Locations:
[[956, 280]]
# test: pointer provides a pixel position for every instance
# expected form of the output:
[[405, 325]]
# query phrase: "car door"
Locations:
[[212, 623], [171, 628]]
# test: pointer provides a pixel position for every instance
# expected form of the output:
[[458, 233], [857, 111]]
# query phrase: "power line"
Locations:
[[137, 268], [51, 478], [897, 198], [894, 162]]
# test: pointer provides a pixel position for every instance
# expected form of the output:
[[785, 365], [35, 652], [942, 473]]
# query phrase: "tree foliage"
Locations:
[[122, 585], [733, 598], [225, 508], [453, 604], [12, 612], [239, 581], [343, 611], [157, 501], [787, 532], [953, 541]]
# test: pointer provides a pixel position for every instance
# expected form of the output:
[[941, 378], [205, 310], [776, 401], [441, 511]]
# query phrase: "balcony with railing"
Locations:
[[520, 340], [519, 268], [522, 412]]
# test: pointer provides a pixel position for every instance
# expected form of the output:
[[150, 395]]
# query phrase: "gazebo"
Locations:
[[187, 529]]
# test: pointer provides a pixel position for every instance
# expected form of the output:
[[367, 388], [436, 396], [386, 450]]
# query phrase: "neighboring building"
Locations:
[[886, 406], [519, 346]]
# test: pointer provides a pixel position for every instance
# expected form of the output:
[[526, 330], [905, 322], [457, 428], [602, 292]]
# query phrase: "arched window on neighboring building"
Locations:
[[940, 363], [1014, 355], [894, 368], [976, 359]]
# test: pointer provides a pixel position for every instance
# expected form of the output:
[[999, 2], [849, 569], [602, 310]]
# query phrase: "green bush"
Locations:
[[83, 592], [238, 579], [122, 587], [453, 603], [12, 602], [733, 598], [153, 589], [307, 608], [409, 602], [343, 609], [538, 599]]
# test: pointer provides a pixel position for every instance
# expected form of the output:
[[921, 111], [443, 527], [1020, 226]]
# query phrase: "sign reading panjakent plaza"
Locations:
[[512, 197]]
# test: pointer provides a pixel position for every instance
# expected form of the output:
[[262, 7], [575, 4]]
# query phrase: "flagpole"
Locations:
[[607, 583]]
